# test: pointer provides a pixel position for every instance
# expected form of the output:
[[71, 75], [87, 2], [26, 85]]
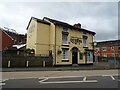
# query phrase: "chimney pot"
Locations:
[[78, 25]]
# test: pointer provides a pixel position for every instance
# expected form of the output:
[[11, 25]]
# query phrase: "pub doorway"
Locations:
[[74, 55]]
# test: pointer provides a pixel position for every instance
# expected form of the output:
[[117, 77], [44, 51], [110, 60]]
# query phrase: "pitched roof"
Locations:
[[108, 43], [6, 33], [68, 25], [38, 20], [56, 22]]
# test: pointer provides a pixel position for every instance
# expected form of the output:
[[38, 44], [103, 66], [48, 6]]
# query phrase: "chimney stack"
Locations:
[[78, 25]]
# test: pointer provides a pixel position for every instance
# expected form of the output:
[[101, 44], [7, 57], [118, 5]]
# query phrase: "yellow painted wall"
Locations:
[[31, 35], [43, 41], [52, 39], [59, 46]]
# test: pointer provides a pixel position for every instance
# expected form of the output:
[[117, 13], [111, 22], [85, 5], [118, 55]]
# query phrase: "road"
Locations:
[[61, 79], [107, 81]]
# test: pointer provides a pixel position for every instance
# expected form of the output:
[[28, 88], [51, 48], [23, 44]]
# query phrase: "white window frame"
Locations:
[[89, 56], [64, 39], [104, 48], [64, 54], [112, 48], [84, 42]]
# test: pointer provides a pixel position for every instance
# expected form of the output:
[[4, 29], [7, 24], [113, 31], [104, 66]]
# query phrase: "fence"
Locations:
[[26, 61]]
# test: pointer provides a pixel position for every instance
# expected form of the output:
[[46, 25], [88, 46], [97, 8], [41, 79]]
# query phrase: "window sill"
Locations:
[[65, 60], [85, 47], [65, 32], [65, 45]]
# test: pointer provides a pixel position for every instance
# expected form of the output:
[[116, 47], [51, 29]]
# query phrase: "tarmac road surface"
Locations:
[[104, 81]]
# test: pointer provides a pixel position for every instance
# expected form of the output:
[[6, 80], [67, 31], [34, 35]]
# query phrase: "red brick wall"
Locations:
[[109, 51], [6, 41]]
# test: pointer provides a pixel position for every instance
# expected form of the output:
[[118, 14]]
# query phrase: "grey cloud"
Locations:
[[100, 17]]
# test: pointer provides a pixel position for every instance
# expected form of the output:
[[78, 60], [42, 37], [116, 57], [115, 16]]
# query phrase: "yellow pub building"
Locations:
[[67, 44]]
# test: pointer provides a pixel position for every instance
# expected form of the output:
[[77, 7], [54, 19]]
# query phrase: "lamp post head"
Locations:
[[95, 43]]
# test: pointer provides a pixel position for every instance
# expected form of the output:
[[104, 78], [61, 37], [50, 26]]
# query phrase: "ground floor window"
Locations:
[[81, 56], [89, 56], [64, 54]]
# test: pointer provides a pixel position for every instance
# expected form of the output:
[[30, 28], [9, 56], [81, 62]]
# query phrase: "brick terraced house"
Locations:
[[108, 49]]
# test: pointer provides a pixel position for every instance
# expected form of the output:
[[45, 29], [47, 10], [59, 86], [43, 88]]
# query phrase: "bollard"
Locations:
[[27, 64], [9, 63], [18, 52], [43, 63]]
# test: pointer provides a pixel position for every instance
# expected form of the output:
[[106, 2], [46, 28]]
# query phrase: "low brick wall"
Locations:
[[26, 61]]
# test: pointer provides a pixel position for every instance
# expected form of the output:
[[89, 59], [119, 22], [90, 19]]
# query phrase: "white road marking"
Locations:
[[69, 82], [112, 77], [2, 84], [109, 76], [65, 77], [84, 79], [46, 78], [2, 80], [43, 80]]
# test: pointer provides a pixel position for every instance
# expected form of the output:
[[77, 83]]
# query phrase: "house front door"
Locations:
[[74, 55]]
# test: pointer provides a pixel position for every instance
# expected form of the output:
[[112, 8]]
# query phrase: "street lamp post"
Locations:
[[95, 44]]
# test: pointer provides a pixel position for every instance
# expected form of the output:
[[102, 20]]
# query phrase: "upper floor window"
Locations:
[[84, 42], [112, 48], [104, 48], [84, 33], [64, 39], [65, 29], [85, 39]]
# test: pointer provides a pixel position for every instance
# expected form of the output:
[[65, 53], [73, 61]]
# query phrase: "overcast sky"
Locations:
[[99, 17]]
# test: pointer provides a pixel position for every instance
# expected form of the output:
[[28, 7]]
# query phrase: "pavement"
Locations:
[[37, 74]]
